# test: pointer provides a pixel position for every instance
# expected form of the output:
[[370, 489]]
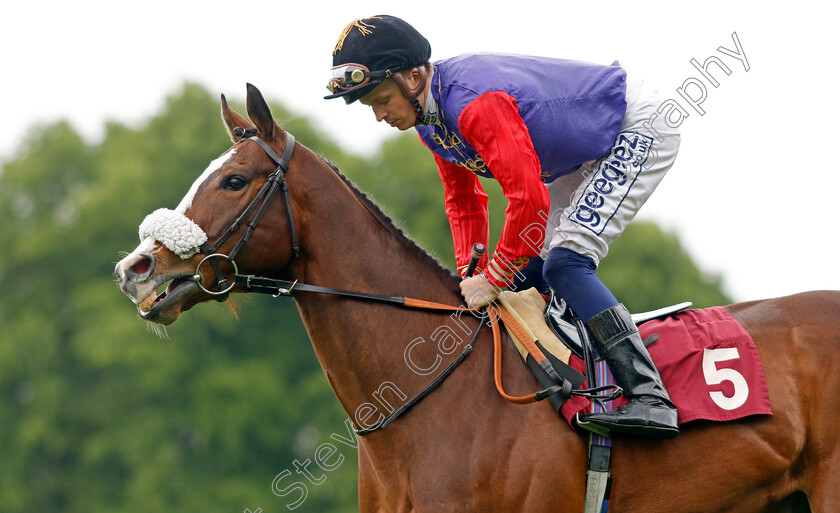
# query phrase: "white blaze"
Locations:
[[172, 228], [211, 168]]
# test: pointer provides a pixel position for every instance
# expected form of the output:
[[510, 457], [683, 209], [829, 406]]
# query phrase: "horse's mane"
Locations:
[[416, 250]]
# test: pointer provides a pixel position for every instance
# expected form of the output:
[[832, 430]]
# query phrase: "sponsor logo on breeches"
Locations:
[[610, 184]]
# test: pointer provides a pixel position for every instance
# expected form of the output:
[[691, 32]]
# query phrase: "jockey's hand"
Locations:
[[478, 291]]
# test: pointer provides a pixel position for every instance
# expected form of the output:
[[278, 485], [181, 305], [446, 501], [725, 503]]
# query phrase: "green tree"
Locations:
[[99, 415]]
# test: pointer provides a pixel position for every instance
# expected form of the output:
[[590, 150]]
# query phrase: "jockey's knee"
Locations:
[[572, 276], [563, 265]]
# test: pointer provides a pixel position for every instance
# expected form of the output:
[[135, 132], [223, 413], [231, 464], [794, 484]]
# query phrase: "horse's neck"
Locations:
[[365, 347], [361, 344], [358, 250]]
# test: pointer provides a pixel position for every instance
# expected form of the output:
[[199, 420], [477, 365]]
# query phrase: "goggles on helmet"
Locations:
[[346, 77]]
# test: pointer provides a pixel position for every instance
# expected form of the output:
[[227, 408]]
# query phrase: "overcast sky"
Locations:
[[750, 195]]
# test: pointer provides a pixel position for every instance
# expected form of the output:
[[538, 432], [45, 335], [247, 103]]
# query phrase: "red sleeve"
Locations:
[[466, 209], [491, 124]]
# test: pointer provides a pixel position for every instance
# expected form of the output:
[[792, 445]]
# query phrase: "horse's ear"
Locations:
[[233, 120], [259, 113]]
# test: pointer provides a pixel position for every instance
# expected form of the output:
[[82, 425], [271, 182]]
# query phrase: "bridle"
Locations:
[[275, 181]]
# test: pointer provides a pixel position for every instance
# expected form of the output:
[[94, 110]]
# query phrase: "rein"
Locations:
[[279, 288]]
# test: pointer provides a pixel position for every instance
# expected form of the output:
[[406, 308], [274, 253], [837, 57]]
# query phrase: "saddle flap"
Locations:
[[558, 317]]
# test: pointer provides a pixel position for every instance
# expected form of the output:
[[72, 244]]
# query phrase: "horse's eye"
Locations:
[[235, 183]]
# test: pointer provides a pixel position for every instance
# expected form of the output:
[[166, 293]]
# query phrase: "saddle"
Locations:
[[555, 330], [706, 358]]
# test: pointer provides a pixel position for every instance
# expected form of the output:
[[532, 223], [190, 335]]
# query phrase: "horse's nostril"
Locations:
[[137, 267], [142, 266]]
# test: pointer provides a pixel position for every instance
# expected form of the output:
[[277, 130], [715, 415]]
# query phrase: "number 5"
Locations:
[[716, 376]]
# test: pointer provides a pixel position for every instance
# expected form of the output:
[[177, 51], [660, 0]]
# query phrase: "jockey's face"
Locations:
[[389, 105]]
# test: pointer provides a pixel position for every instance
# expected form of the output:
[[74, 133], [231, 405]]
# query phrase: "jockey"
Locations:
[[577, 148]]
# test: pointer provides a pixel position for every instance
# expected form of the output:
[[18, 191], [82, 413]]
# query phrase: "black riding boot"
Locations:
[[650, 412]]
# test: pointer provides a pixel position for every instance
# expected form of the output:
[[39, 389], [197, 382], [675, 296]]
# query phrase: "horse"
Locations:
[[463, 447]]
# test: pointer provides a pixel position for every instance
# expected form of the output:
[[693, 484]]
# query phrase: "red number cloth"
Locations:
[[695, 355]]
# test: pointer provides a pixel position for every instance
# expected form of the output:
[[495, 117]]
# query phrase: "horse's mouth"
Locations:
[[173, 296]]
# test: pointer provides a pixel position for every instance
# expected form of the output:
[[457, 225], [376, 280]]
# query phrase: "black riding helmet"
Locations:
[[370, 50]]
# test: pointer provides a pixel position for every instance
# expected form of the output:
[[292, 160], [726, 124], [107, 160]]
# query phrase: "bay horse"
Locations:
[[464, 448]]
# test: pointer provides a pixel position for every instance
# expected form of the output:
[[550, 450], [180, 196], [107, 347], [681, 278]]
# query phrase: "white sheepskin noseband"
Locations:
[[174, 230]]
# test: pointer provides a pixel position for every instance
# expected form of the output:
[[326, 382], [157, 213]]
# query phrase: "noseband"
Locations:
[[276, 180]]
